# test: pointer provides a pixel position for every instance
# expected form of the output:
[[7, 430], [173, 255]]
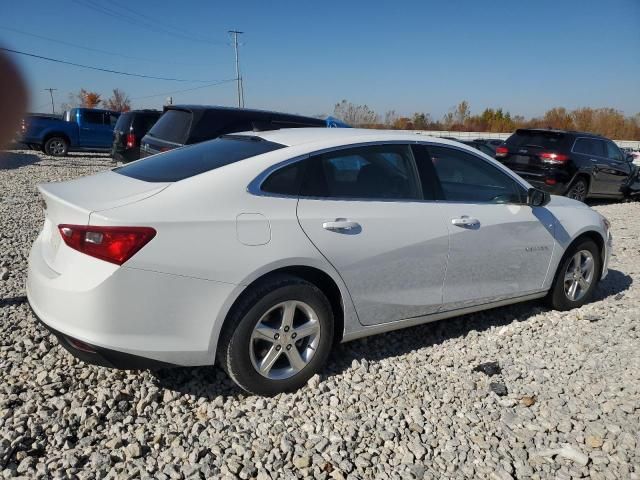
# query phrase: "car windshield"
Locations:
[[189, 161]]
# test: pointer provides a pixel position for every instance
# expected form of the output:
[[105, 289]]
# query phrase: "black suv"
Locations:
[[129, 130], [576, 164], [186, 124]]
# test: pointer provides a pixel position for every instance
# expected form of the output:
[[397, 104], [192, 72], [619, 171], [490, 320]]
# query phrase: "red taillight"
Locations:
[[551, 157], [111, 244], [131, 140], [502, 152], [550, 181]]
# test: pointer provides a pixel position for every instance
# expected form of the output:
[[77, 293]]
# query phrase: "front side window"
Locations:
[[613, 152], [95, 118], [371, 172], [467, 178]]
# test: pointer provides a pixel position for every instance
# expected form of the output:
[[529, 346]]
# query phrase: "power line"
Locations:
[[159, 23], [185, 90], [100, 68], [97, 50], [137, 22]]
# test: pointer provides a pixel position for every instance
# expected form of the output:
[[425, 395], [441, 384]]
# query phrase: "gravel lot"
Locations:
[[408, 404]]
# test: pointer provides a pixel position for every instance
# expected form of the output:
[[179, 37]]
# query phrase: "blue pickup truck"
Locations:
[[79, 129]]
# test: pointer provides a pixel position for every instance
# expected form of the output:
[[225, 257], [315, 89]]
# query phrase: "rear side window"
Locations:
[[187, 162], [536, 139], [285, 181], [371, 172], [589, 146], [173, 126]]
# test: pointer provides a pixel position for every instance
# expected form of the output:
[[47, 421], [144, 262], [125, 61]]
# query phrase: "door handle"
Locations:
[[342, 225], [465, 221], [593, 160]]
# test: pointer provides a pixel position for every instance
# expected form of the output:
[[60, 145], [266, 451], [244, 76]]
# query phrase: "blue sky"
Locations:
[[303, 57]]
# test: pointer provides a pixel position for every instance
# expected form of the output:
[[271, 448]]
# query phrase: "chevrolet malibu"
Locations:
[[258, 251]]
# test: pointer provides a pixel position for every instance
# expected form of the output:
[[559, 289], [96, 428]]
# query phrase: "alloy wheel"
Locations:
[[579, 275], [56, 147], [284, 340], [578, 191]]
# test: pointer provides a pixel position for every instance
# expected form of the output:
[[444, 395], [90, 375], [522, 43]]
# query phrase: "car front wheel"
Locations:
[[577, 276], [278, 336]]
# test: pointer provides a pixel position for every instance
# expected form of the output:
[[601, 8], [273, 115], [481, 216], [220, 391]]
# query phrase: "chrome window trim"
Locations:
[[255, 186]]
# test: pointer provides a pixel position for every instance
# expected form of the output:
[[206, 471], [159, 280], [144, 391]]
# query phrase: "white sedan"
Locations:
[[260, 250]]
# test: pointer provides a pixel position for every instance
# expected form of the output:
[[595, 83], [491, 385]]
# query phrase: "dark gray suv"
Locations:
[[576, 164]]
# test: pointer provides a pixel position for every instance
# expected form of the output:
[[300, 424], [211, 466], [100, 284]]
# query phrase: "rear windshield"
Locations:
[[189, 161], [536, 138], [172, 126], [124, 122]]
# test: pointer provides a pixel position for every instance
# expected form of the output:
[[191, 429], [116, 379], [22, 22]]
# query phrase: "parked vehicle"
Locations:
[[493, 143], [79, 129], [187, 124], [262, 249], [483, 147], [128, 132], [576, 164]]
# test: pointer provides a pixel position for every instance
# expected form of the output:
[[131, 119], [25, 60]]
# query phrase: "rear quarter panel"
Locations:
[[196, 221]]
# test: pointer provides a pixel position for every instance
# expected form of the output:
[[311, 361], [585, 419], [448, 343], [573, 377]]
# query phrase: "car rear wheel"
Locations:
[[577, 276], [56, 147], [278, 336], [578, 190]]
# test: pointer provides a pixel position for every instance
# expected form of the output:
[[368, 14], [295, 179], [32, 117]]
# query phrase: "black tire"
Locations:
[[235, 353], [558, 297], [578, 190], [56, 146]]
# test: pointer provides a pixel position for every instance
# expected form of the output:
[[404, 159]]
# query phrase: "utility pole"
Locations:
[[235, 34], [51, 90]]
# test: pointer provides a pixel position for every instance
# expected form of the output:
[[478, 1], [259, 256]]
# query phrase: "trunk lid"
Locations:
[[74, 201]]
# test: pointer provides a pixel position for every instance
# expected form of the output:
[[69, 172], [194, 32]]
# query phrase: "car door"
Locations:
[[618, 169], [91, 128], [499, 247], [364, 209]]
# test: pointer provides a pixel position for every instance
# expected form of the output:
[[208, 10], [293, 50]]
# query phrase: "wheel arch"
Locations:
[[50, 135], [593, 235], [580, 175], [329, 283]]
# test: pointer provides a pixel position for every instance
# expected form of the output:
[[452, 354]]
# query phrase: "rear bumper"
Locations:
[[100, 356], [127, 315]]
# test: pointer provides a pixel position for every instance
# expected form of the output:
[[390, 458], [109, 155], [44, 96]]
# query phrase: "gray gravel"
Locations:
[[408, 404]]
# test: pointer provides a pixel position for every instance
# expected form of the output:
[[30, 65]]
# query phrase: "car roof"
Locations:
[[245, 111], [341, 136], [556, 130]]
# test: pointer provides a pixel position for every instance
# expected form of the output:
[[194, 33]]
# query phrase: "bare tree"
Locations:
[[355, 115], [119, 101], [390, 118]]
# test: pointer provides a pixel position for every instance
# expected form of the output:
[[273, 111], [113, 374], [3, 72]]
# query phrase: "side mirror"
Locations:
[[537, 197], [629, 157]]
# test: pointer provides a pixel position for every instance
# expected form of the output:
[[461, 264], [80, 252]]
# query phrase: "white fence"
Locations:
[[634, 144]]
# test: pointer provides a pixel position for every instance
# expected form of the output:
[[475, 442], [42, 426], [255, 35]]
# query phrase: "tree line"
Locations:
[[119, 101], [604, 121]]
